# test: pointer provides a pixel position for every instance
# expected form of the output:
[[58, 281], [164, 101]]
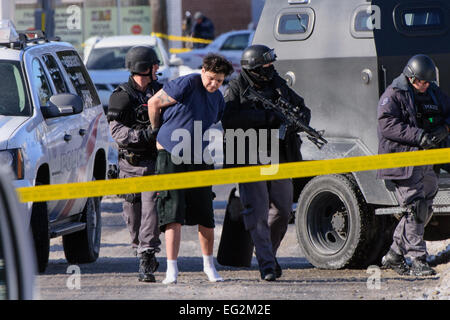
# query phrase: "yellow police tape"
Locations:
[[180, 38], [232, 175]]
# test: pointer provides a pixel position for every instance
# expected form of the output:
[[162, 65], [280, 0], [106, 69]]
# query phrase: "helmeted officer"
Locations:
[[130, 128], [413, 114], [267, 204]]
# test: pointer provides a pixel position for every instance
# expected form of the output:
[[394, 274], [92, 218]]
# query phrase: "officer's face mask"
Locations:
[[263, 74]]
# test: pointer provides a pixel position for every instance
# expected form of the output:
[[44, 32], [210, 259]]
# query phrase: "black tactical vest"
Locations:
[[429, 111]]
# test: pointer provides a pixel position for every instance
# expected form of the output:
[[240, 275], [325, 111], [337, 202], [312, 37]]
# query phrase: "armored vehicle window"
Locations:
[[421, 19], [294, 24], [362, 21], [365, 19], [237, 42], [55, 73], [79, 77], [40, 83], [13, 97]]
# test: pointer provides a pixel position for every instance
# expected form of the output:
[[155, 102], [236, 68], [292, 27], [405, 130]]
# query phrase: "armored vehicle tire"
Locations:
[[335, 227], [84, 246], [41, 235]]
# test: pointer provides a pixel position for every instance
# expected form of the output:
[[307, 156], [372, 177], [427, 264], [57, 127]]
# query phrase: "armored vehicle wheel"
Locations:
[[84, 246], [335, 226], [41, 235]]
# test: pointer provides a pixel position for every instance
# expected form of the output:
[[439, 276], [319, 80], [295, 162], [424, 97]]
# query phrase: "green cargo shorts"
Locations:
[[185, 206]]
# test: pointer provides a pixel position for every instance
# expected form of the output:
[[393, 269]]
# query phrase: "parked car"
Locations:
[[105, 61], [230, 45], [17, 258], [52, 131]]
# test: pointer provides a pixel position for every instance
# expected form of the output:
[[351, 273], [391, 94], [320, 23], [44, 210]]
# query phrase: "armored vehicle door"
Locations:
[[408, 28], [327, 53]]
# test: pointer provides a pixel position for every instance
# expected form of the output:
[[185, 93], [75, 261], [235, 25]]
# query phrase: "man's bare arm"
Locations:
[[155, 104]]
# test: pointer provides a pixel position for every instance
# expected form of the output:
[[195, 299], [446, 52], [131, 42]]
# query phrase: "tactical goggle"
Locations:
[[269, 57]]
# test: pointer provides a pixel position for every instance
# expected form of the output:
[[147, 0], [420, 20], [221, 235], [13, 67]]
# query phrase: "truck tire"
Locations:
[[41, 234], [84, 246], [335, 227]]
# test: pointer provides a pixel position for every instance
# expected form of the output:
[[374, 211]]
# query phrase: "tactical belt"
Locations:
[[133, 158]]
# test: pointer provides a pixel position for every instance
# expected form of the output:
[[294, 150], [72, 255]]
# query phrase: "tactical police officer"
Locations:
[[267, 204], [130, 127], [413, 114]]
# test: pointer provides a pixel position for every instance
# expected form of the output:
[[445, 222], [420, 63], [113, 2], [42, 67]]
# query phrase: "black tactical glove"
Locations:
[[426, 141], [439, 134]]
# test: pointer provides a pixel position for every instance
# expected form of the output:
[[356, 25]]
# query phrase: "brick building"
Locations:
[[226, 15]]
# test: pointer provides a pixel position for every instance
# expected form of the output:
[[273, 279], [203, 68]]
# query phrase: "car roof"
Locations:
[[9, 54], [127, 40]]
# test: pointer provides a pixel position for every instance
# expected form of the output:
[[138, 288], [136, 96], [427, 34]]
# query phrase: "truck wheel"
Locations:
[[84, 246], [41, 235], [335, 226]]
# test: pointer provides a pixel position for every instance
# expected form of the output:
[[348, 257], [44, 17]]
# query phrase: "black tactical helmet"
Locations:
[[256, 56], [420, 67], [140, 58]]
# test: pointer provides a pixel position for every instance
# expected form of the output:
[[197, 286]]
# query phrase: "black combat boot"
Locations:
[[278, 271], [268, 275], [395, 262], [147, 266], [420, 268]]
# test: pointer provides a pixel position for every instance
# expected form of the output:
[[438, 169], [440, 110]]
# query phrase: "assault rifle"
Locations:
[[289, 115]]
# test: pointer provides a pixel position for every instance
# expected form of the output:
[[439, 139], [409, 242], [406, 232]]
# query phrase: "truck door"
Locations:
[[59, 136]]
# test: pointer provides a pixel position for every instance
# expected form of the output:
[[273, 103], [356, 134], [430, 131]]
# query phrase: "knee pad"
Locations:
[[419, 210]]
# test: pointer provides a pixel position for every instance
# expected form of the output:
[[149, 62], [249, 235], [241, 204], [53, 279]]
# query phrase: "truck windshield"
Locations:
[[112, 58], [13, 100]]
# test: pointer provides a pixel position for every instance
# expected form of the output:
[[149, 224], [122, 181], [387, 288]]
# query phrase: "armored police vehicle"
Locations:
[[52, 131], [340, 56]]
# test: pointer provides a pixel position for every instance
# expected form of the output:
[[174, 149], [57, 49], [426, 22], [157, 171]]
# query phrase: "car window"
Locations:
[[40, 83], [236, 42], [13, 100], [55, 73], [112, 58], [79, 77]]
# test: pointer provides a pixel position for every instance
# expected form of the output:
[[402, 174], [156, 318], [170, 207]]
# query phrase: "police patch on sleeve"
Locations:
[[385, 101]]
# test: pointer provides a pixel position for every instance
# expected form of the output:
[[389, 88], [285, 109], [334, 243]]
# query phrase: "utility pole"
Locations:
[[159, 18], [44, 17]]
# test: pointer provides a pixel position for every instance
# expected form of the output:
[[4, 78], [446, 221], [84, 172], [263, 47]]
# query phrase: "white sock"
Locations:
[[210, 269], [171, 272]]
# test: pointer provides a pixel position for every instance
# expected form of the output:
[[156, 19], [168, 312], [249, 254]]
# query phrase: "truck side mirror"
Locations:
[[62, 104]]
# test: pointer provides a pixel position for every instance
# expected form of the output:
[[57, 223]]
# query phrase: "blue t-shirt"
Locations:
[[194, 103]]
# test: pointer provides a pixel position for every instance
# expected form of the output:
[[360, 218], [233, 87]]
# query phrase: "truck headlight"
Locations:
[[14, 159]]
